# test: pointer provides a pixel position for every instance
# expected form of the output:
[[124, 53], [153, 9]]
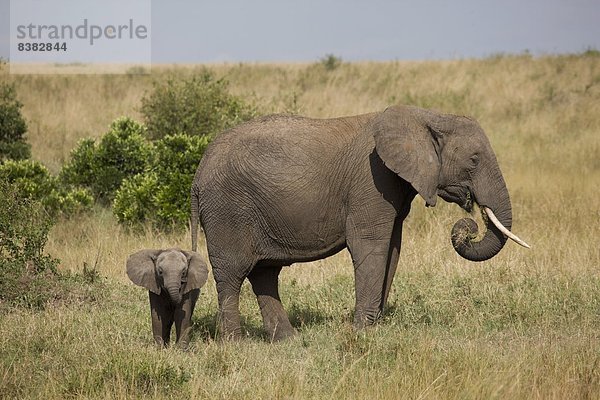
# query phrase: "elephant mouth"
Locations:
[[460, 195]]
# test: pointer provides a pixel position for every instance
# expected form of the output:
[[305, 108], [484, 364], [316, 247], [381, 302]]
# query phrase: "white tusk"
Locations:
[[503, 229]]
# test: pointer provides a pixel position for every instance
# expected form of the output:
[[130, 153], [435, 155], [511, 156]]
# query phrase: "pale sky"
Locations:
[[190, 31]]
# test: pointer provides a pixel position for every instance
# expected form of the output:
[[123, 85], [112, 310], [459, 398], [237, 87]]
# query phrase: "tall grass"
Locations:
[[525, 324]]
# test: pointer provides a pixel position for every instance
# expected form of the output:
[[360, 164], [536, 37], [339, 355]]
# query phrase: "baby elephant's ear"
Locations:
[[197, 271], [140, 269]]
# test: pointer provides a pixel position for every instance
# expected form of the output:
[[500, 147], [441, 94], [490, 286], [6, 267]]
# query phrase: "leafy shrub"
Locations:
[[31, 177], [162, 194], [34, 182], [24, 227], [12, 126], [199, 106], [28, 277], [79, 170], [135, 201], [122, 152], [176, 161]]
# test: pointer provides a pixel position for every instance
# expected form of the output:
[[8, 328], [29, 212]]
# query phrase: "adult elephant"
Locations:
[[284, 189]]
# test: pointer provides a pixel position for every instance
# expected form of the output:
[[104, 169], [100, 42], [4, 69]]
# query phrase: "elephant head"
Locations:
[[173, 270], [449, 156]]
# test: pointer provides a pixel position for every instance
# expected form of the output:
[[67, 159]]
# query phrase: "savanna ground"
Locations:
[[525, 324]]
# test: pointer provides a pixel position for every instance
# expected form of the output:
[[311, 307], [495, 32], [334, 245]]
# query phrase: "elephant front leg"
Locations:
[[371, 256], [162, 319], [183, 318], [265, 284], [392, 263]]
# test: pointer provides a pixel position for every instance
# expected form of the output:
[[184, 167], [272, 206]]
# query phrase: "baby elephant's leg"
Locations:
[[162, 318], [183, 317]]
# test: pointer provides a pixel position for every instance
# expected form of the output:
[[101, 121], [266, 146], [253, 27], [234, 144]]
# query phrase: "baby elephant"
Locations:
[[173, 278]]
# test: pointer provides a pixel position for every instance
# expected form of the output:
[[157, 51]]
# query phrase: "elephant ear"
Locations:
[[197, 271], [407, 142], [140, 269]]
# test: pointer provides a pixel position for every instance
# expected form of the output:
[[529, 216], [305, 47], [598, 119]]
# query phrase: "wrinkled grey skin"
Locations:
[[173, 278], [285, 189]]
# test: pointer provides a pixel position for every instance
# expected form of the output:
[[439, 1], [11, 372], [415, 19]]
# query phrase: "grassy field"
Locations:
[[523, 325]]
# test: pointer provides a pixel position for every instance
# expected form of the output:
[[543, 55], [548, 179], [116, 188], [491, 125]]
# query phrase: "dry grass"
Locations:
[[523, 325]]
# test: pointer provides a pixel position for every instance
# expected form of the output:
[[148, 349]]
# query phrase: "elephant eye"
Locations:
[[474, 160], [160, 271]]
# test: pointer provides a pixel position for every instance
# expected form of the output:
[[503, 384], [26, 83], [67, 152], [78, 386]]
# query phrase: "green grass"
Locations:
[[524, 325], [478, 333]]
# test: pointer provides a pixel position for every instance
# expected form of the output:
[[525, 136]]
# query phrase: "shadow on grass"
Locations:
[[305, 317], [390, 310], [205, 328]]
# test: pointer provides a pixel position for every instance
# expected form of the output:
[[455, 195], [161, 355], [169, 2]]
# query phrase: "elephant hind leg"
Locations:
[[228, 292], [265, 284], [230, 254]]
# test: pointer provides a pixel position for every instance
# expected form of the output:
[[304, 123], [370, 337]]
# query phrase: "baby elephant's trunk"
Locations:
[[175, 294]]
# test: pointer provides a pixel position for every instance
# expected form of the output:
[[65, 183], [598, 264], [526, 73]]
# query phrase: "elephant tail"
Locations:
[[195, 216]]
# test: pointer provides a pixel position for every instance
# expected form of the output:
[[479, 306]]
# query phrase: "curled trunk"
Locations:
[[464, 233], [494, 196]]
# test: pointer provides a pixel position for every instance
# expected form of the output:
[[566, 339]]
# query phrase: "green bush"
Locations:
[[79, 170], [176, 161], [12, 126], [34, 182], [162, 194], [28, 277], [199, 106], [24, 227], [121, 153], [135, 201]]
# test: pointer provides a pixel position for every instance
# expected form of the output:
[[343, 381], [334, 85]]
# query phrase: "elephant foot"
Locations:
[[183, 345], [364, 319], [160, 342], [229, 326], [277, 326], [183, 340], [233, 334]]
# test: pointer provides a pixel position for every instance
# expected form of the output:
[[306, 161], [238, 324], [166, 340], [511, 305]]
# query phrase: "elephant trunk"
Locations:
[[175, 293], [490, 193]]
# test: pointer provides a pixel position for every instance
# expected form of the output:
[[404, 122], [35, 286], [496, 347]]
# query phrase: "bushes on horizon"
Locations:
[[197, 106], [12, 126], [161, 195], [34, 182], [121, 153], [330, 62]]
